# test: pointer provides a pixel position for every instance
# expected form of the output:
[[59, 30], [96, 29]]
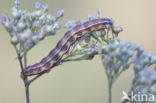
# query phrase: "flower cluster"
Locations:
[[144, 82], [143, 60], [117, 57], [93, 43], [28, 28]]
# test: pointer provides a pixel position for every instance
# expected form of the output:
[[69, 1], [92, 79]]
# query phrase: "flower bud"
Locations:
[[25, 35], [90, 17], [29, 44], [15, 13], [4, 18], [92, 50], [56, 26], [137, 67], [146, 60], [35, 38], [140, 49], [45, 8], [37, 24], [42, 18], [142, 80], [78, 47], [14, 40], [50, 18], [92, 44], [37, 13], [17, 3], [7, 25], [49, 28], [69, 24], [42, 34], [60, 13], [144, 90], [153, 89], [153, 59], [117, 28], [38, 5], [98, 14], [99, 49], [21, 25]]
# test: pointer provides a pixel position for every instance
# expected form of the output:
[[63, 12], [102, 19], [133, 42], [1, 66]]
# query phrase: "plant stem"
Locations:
[[26, 79], [110, 93], [27, 93], [20, 61], [33, 79]]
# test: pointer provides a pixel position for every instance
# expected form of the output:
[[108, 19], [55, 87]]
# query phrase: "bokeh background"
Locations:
[[76, 82]]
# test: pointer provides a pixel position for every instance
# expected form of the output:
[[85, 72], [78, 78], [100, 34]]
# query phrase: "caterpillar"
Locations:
[[63, 46]]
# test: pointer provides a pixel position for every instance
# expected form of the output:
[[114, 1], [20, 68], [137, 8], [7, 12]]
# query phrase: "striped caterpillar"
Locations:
[[63, 46]]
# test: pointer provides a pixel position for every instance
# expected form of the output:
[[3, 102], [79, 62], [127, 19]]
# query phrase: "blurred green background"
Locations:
[[76, 82]]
